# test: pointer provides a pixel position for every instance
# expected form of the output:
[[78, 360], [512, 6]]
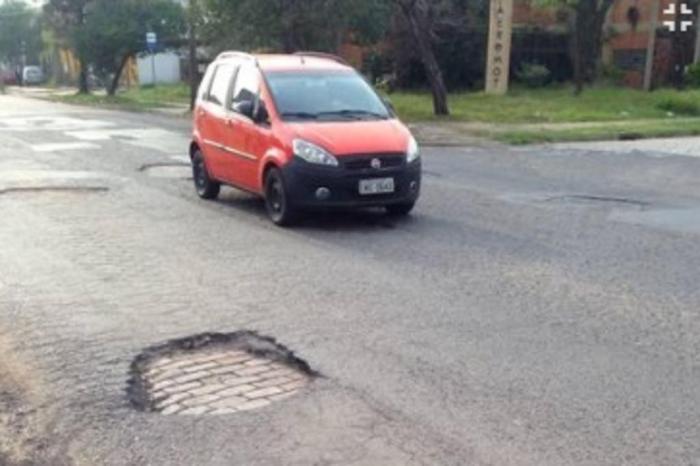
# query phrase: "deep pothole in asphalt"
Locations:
[[173, 170], [216, 374]]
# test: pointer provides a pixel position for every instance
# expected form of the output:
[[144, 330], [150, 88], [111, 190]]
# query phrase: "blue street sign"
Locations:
[[151, 41]]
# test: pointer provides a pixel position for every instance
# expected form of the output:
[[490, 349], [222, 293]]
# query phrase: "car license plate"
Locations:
[[376, 186]]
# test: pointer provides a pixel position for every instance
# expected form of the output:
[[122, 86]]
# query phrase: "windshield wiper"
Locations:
[[356, 113], [301, 115]]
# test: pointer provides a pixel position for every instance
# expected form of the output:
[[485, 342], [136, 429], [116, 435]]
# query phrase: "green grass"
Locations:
[[639, 129], [548, 105], [136, 98], [523, 116]]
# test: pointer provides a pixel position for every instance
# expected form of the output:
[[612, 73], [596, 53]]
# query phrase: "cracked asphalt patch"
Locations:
[[587, 198], [60, 189], [216, 374], [173, 170], [53, 181]]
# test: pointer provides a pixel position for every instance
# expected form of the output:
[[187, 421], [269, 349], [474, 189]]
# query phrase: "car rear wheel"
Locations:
[[279, 209], [205, 186], [400, 210]]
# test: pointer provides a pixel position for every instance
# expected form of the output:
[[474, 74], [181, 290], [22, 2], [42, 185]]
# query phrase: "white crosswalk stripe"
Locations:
[[59, 146], [88, 133]]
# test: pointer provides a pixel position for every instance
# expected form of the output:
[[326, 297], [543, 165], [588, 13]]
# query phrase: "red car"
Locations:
[[303, 131], [8, 77]]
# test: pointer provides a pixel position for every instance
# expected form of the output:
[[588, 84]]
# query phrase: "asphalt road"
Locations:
[[539, 308]]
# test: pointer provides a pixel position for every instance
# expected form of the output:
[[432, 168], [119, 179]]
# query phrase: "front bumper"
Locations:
[[303, 180]]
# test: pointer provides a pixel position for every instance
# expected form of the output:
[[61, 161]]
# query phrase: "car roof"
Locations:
[[299, 62]]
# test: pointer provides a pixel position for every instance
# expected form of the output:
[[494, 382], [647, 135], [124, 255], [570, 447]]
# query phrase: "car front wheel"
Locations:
[[206, 187], [279, 209]]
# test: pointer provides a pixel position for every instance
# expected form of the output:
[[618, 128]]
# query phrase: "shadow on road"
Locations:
[[349, 220]]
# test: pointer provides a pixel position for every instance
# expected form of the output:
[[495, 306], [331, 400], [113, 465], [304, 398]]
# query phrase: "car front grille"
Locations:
[[364, 162]]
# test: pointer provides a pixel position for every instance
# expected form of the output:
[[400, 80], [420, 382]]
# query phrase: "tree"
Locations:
[[419, 16], [20, 33], [290, 25], [67, 18], [323, 25], [115, 31], [587, 22]]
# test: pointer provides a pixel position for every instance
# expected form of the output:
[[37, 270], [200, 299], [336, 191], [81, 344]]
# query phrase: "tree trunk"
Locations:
[[114, 86], [193, 65], [576, 55], [696, 54], [83, 86], [421, 34], [588, 23], [651, 47], [193, 13], [678, 72]]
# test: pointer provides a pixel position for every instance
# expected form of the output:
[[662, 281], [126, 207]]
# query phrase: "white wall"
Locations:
[[167, 68]]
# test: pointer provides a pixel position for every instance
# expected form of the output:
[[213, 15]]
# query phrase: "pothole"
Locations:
[[585, 198], [59, 189], [216, 374], [168, 170]]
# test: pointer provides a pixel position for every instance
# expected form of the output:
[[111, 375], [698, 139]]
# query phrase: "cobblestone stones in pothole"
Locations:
[[216, 374]]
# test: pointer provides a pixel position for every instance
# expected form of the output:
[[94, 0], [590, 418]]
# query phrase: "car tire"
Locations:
[[279, 209], [400, 210], [205, 186]]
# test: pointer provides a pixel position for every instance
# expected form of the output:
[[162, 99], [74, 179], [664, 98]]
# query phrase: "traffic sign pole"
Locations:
[[151, 43]]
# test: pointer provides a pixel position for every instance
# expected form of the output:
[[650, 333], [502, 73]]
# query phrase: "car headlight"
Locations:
[[313, 153], [413, 151]]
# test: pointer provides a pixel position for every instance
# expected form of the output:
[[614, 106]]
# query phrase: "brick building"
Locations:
[[627, 33], [542, 36], [629, 27]]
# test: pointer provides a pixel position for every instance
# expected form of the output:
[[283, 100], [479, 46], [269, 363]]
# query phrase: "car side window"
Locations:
[[247, 85], [203, 92], [221, 83]]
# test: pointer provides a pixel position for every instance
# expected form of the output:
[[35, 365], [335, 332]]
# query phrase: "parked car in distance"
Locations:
[[8, 77], [304, 131], [32, 75]]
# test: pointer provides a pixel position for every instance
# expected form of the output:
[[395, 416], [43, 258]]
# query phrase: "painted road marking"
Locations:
[[150, 138], [61, 146], [50, 123]]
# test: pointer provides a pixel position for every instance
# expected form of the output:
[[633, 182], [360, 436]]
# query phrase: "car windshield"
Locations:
[[325, 96]]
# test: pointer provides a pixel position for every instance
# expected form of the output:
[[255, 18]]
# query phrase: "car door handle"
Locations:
[[230, 122]]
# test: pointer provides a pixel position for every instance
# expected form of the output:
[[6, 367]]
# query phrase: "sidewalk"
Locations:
[[62, 93]]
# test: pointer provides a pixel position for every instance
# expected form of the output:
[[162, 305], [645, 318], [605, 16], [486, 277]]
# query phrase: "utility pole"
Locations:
[[651, 46], [500, 37]]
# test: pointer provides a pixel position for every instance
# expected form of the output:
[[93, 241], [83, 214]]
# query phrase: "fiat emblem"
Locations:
[[376, 164]]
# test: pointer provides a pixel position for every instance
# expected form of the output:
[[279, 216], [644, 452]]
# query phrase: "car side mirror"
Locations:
[[245, 107]]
